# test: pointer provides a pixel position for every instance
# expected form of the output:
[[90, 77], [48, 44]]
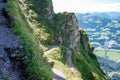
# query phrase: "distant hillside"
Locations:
[[110, 67], [102, 28], [108, 14]]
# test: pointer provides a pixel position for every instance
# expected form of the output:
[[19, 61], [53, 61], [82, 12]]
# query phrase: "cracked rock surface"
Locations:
[[8, 69]]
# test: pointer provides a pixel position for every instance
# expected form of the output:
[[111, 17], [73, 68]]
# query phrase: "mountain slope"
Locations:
[[38, 27], [103, 30]]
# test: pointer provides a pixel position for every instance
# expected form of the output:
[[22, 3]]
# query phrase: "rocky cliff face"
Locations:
[[72, 35], [46, 27], [46, 8], [49, 9], [9, 44], [84, 40], [77, 39], [70, 29]]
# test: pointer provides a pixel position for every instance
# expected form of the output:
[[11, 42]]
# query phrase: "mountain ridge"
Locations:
[[38, 27]]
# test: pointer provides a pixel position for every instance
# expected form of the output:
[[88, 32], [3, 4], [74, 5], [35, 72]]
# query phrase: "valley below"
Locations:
[[103, 30], [111, 67]]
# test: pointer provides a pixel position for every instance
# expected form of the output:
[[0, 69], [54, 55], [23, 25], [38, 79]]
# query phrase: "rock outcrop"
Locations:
[[46, 27], [9, 68], [78, 41], [70, 29], [49, 10], [46, 8]]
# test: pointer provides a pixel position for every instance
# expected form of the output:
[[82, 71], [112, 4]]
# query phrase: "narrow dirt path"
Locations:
[[69, 60], [8, 70], [58, 74], [49, 50]]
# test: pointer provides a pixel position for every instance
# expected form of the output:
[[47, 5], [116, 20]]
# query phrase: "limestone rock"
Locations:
[[70, 29]]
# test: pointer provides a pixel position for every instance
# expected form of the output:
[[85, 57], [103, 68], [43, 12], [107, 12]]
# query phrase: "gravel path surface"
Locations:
[[58, 74], [8, 70], [49, 50], [69, 60]]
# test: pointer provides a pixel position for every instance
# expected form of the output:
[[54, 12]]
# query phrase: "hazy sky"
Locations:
[[86, 5]]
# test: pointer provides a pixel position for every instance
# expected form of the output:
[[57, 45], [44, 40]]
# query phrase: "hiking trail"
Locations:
[[58, 74], [69, 60]]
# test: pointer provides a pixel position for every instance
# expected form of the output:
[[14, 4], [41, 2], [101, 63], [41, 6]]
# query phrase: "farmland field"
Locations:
[[103, 30], [111, 54]]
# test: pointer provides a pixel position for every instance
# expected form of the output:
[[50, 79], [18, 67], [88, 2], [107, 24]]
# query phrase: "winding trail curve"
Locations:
[[59, 74]]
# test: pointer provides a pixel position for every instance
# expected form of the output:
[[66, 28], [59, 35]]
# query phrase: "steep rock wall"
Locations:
[[69, 27]]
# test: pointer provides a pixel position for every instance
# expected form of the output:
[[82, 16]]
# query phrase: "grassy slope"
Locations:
[[28, 22], [59, 57], [86, 62], [36, 67]]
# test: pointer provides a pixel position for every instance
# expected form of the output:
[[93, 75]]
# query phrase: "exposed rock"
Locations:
[[70, 29], [85, 41], [8, 69], [46, 8], [15, 52], [49, 9], [69, 58]]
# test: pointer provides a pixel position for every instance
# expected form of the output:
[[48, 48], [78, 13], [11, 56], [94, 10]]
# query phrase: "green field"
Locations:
[[112, 54]]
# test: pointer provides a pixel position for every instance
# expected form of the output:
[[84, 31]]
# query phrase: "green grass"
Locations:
[[59, 57], [87, 67], [58, 54], [35, 66], [37, 33], [86, 62], [68, 73], [44, 29], [112, 54]]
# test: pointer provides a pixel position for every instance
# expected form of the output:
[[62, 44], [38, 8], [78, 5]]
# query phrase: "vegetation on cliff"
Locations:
[[38, 27], [85, 61], [35, 67]]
